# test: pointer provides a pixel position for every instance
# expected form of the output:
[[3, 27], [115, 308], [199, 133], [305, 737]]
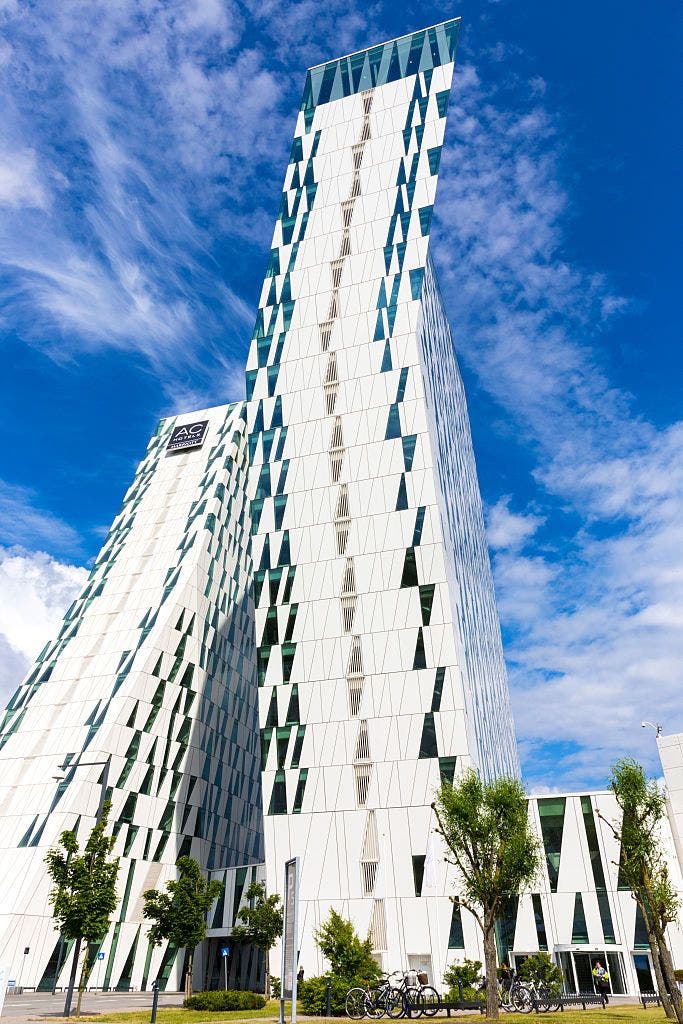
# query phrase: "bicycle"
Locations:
[[360, 1003]]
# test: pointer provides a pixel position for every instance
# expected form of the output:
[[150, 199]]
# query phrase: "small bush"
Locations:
[[230, 1000], [275, 988], [469, 994], [313, 994], [540, 970], [467, 974]]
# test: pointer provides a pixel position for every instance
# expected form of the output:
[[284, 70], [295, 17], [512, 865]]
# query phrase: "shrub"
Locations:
[[467, 974], [349, 956], [218, 1000], [312, 993], [469, 993], [275, 987], [540, 970]]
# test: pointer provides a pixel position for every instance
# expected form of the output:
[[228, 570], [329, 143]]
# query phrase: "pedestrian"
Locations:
[[601, 980], [300, 975], [505, 976]]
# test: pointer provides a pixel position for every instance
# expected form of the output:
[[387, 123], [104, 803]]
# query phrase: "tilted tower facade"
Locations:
[[380, 665]]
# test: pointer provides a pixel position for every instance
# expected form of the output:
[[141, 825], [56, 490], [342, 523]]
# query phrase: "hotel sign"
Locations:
[[189, 435]]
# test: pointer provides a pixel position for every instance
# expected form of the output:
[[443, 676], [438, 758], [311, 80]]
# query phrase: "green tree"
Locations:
[[350, 957], [263, 920], [179, 915], [83, 896], [541, 972], [486, 828], [642, 867]]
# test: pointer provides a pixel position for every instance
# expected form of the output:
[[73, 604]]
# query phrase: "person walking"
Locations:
[[300, 975], [601, 980]]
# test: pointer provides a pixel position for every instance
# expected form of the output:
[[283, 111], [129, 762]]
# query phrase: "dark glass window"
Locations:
[[300, 789], [270, 632], [426, 602], [419, 523], [279, 506], [428, 746], [540, 922], [402, 499], [418, 872], [409, 575], [579, 926], [420, 659], [456, 939], [551, 813], [438, 689], [278, 797], [640, 939], [266, 737], [274, 577], [409, 451], [447, 769], [288, 652], [271, 719], [298, 744], [393, 423], [283, 735], [262, 659], [293, 709]]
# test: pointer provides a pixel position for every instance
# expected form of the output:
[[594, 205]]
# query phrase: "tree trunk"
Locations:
[[72, 978], [490, 966], [267, 989], [188, 976], [85, 971], [669, 976], [657, 964]]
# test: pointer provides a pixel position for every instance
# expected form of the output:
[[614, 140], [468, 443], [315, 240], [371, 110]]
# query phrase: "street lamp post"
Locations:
[[104, 782]]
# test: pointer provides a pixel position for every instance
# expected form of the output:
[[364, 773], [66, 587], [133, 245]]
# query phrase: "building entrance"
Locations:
[[577, 970]]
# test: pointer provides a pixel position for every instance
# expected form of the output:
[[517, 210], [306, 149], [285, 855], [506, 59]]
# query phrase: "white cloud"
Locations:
[[506, 529], [22, 522], [20, 183], [35, 591], [592, 626]]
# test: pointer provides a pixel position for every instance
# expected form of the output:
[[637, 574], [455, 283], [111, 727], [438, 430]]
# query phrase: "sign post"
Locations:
[[290, 934], [225, 953], [100, 958]]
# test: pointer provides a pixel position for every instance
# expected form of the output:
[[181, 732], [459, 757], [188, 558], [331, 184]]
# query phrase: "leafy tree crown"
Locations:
[[262, 918], [350, 957], [83, 896], [179, 914], [486, 828]]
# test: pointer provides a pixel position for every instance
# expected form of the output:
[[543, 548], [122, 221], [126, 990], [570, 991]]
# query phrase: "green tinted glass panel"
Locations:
[[456, 939], [551, 813], [579, 926]]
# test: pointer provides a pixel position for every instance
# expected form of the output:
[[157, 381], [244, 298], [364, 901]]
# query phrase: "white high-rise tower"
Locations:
[[380, 664]]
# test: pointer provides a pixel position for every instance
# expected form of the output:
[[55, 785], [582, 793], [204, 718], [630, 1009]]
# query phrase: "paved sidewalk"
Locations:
[[33, 1005]]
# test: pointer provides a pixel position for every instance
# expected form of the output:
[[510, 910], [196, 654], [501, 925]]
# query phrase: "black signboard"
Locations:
[[189, 435]]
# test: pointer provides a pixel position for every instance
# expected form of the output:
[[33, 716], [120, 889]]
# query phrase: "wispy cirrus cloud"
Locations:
[[156, 136], [24, 522], [590, 577]]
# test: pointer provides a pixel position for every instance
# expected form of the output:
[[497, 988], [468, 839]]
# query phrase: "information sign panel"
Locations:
[[290, 931]]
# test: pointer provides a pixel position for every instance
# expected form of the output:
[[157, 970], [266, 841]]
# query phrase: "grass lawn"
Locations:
[[630, 1014]]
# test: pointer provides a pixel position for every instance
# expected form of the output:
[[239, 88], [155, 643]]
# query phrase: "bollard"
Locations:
[[155, 1001], [328, 996]]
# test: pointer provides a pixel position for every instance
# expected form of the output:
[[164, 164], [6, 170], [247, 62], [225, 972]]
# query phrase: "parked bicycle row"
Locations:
[[406, 994], [399, 994]]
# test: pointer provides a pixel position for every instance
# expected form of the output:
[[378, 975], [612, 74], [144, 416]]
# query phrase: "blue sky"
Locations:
[[142, 150]]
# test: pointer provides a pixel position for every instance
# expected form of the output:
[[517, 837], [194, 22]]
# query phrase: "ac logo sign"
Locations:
[[189, 435]]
